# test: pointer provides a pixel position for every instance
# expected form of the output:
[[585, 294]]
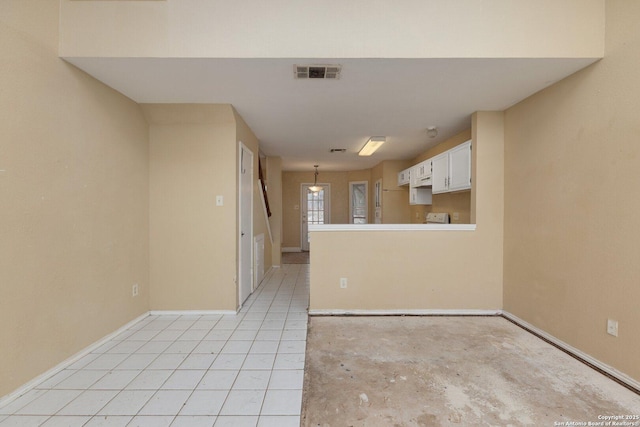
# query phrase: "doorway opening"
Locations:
[[315, 209]]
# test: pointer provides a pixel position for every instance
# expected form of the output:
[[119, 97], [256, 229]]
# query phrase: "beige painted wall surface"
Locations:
[[291, 182], [73, 197], [446, 202], [412, 29], [192, 241], [395, 200], [422, 270], [572, 229]]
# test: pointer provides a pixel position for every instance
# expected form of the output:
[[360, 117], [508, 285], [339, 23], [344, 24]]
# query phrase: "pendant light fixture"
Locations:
[[315, 188]]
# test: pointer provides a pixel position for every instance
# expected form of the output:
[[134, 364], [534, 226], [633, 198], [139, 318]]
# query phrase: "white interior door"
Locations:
[[245, 224], [315, 209]]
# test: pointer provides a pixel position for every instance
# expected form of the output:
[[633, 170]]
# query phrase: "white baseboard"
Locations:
[[191, 312], [620, 376], [403, 312], [5, 400], [291, 249]]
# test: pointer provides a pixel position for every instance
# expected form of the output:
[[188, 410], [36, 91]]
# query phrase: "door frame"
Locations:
[[242, 151], [304, 188]]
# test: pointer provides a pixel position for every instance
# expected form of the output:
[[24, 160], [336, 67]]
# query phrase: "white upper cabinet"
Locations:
[[440, 176], [460, 167], [421, 175], [404, 177], [452, 169]]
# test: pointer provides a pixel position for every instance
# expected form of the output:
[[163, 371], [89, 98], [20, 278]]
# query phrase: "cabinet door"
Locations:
[[414, 177], [440, 175], [426, 169], [403, 177], [460, 167]]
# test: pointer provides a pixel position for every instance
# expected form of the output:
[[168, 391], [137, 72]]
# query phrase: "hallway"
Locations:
[[190, 370]]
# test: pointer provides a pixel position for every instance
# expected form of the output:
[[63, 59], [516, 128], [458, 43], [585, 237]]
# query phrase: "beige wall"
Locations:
[[339, 181], [73, 200], [411, 29], [572, 230], [422, 269], [395, 200], [193, 242], [193, 247], [291, 182], [459, 202]]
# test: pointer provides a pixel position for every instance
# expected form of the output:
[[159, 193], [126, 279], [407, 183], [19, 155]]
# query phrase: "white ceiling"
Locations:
[[300, 120]]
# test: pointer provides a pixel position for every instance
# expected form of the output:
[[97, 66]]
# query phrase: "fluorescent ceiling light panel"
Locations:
[[372, 145]]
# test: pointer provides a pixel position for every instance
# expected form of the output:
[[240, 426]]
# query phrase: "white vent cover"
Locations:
[[331, 72]]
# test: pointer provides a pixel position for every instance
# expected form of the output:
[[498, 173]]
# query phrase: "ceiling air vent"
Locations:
[[338, 150], [317, 71]]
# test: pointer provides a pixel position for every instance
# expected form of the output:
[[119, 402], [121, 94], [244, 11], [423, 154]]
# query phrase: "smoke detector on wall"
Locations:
[[327, 72]]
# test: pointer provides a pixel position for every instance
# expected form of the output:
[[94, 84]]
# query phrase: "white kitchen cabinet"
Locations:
[[460, 167], [452, 169], [421, 174], [440, 174], [420, 196], [404, 177]]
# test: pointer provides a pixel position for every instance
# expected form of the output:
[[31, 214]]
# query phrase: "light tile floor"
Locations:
[[194, 370]]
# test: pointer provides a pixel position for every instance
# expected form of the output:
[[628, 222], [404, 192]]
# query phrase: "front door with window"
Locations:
[[315, 210]]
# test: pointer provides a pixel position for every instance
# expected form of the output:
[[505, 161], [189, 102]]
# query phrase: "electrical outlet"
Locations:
[[612, 327], [134, 290], [456, 216], [343, 283]]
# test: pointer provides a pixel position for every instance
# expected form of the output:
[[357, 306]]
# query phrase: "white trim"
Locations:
[[5, 400], [392, 227], [291, 249], [192, 312], [401, 312], [620, 376]]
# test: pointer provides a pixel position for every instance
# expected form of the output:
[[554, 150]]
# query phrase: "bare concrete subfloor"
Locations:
[[440, 371]]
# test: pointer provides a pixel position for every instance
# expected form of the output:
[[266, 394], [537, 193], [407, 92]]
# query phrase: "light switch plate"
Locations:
[[219, 201], [612, 327]]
